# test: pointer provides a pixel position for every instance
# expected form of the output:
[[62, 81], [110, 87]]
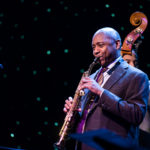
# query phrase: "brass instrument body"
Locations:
[[71, 114]]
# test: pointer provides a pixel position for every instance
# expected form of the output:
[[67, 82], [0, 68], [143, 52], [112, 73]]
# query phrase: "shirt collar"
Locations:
[[113, 63]]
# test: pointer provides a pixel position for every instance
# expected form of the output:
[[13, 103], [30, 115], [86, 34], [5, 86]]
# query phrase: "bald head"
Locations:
[[109, 32]]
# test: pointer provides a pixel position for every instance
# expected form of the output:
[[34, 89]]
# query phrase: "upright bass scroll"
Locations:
[[140, 20]]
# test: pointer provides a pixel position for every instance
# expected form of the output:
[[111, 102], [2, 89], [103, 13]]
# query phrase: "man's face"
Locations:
[[105, 48], [130, 59]]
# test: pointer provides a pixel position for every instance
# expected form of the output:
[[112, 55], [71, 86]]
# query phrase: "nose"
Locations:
[[96, 52]]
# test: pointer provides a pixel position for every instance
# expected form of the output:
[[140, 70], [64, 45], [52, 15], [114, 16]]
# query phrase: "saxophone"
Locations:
[[70, 116]]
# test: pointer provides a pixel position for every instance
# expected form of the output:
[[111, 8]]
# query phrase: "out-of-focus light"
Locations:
[[12, 135], [38, 99], [18, 68], [107, 5], [66, 50], [141, 6], [48, 69], [22, 1], [45, 123], [22, 37], [4, 75], [46, 108], [34, 72], [35, 18], [65, 83], [122, 28], [49, 10], [16, 25], [39, 133], [76, 14], [48, 52], [36, 3], [148, 65], [1, 15], [56, 124], [81, 70], [17, 122], [112, 14], [66, 8]]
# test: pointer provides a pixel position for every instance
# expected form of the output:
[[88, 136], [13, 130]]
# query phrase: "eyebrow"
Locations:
[[98, 43]]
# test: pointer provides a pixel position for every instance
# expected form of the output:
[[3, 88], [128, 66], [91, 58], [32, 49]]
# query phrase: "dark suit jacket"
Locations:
[[122, 106]]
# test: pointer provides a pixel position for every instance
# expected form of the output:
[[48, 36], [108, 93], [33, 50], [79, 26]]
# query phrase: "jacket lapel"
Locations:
[[116, 75]]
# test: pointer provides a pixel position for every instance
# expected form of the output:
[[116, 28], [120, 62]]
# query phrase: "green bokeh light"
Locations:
[[46, 108], [107, 5], [113, 14], [12, 135], [66, 50], [34, 72], [48, 69], [18, 122], [81, 70], [49, 10], [39, 133], [48, 52], [38, 99], [56, 124]]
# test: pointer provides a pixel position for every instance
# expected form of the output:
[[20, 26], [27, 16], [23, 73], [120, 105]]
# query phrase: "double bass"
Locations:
[[138, 19]]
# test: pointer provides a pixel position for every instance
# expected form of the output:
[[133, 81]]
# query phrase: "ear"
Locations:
[[118, 44]]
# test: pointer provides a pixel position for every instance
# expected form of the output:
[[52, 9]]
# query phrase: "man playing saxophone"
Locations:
[[116, 95]]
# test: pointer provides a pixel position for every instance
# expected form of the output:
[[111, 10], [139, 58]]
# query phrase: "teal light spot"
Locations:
[[4, 75], [1, 15], [96, 10], [16, 25], [66, 51], [18, 68], [39, 133], [76, 14], [107, 5], [122, 28], [48, 69], [45, 123], [18, 122], [48, 52], [38, 99], [56, 124], [48, 10], [112, 14], [12, 37], [142, 37], [36, 3], [23, 57], [46, 108], [60, 39], [35, 19], [34, 72], [22, 37], [18, 147], [65, 8], [61, 2], [65, 83], [12, 135], [82, 70], [130, 4], [22, 1], [1, 48], [141, 7], [1, 22], [148, 65]]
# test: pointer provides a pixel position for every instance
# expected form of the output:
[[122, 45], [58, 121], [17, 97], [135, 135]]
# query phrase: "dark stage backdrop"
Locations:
[[38, 72]]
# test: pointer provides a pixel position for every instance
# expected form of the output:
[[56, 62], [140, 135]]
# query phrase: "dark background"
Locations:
[[40, 71]]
